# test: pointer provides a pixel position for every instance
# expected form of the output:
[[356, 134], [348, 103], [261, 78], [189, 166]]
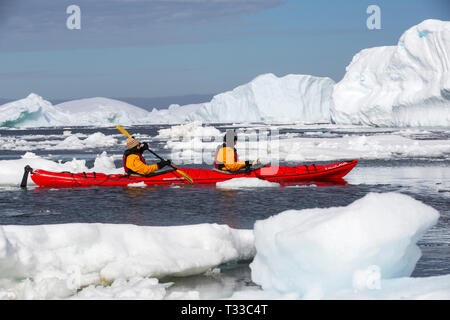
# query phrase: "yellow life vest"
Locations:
[[226, 159], [134, 163]]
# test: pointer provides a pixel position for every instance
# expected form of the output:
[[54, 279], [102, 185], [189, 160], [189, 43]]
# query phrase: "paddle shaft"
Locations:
[[160, 158], [189, 179]]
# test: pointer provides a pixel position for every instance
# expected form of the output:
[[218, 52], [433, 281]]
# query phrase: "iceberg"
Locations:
[[269, 98], [315, 252], [403, 85], [32, 111], [102, 111]]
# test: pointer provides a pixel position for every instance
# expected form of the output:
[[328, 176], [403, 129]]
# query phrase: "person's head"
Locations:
[[133, 143], [230, 138]]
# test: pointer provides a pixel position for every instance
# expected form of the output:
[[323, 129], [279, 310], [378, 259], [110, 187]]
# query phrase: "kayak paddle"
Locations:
[[184, 174]]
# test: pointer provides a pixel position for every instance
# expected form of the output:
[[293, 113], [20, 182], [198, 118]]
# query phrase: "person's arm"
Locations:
[[135, 164], [235, 166], [229, 162]]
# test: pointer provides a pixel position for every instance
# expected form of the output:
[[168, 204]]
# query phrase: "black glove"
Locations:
[[144, 146], [248, 165], [164, 163]]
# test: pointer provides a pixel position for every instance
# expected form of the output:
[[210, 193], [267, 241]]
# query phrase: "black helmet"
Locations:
[[230, 137]]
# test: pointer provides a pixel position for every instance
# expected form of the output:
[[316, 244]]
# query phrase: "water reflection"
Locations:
[[227, 207]]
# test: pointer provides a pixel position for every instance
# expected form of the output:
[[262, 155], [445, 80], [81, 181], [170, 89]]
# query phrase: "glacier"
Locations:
[[399, 86]]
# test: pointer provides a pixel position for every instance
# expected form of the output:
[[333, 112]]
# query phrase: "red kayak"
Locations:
[[280, 174]]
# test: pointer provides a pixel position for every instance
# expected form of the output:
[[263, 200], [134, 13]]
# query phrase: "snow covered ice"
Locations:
[[312, 146], [187, 131], [102, 111], [366, 250], [403, 85], [238, 183], [269, 98], [55, 261], [315, 252]]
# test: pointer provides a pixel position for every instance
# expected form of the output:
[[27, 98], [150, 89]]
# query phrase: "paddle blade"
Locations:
[[123, 131], [185, 175]]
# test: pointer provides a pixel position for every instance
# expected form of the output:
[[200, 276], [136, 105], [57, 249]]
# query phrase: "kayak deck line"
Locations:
[[281, 174]]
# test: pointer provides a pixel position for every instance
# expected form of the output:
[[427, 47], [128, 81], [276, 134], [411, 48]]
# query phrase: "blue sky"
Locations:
[[150, 48]]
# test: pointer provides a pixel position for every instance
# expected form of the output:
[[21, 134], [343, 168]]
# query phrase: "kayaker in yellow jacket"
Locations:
[[134, 162], [226, 157]]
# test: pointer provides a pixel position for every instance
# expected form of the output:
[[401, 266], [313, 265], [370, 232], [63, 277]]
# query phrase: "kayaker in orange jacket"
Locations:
[[134, 162], [226, 157]]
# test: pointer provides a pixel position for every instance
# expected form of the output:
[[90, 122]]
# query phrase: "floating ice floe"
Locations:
[[366, 250], [237, 183], [315, 252], [190, 130], [298, 149], [56, 261], [137, 185], [95, 140]]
